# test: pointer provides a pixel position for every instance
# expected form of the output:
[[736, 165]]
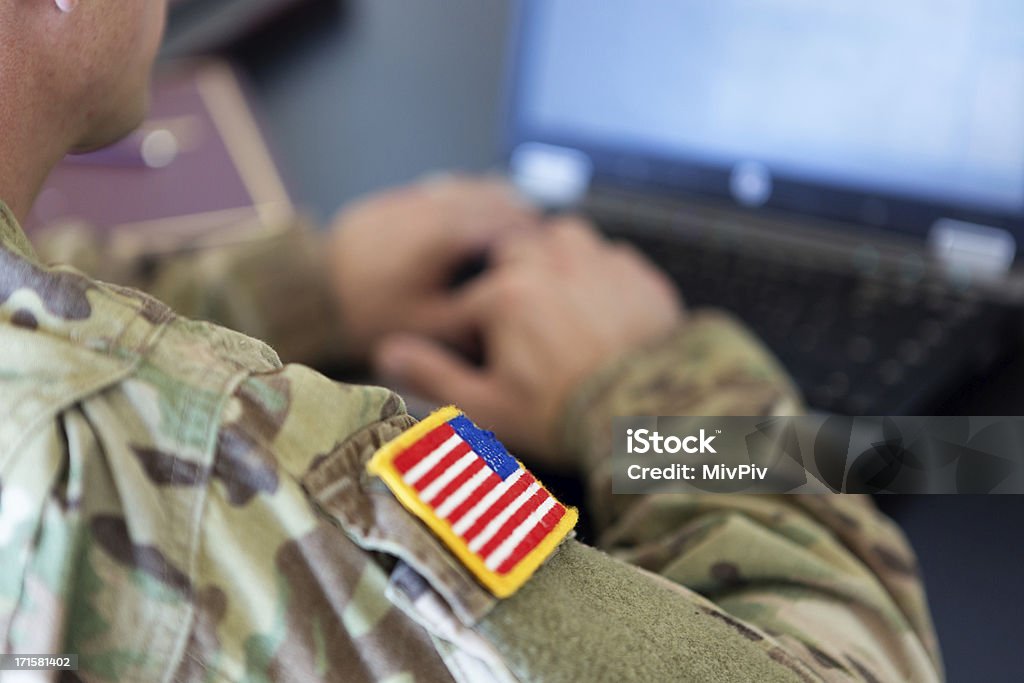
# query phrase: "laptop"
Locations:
[[845, 177]]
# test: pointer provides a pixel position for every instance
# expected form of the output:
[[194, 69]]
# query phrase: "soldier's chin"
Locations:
[[113, 129]]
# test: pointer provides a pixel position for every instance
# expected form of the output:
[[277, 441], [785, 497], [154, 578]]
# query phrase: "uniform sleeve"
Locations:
[[282, 592], [272, 288], [828, 577]]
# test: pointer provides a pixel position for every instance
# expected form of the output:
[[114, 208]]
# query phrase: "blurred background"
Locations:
[[311, 103]]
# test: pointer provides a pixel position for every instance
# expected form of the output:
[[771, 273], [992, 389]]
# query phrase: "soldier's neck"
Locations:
[[33, 138]]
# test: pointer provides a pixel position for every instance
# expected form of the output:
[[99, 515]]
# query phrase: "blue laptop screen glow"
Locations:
[[920, 98]]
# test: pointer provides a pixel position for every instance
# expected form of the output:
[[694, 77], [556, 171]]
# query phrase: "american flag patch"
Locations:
[[479, 500]]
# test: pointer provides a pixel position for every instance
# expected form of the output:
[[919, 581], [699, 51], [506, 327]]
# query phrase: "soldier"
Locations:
[[176, 504]]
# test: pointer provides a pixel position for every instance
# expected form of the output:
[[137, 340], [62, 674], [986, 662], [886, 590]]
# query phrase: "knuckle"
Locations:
[[573, 228], [514, 288]]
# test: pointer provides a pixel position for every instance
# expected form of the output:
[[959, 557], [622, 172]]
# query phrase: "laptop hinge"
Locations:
[[981, 250], [552, 176]]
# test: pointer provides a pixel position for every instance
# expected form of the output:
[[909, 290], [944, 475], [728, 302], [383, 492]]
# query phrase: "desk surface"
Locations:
[[393, 89]]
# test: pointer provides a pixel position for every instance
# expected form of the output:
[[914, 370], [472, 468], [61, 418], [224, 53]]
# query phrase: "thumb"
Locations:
[[429, 369]]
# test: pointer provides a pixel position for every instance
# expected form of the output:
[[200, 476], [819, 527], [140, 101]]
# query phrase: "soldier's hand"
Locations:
[[556, 306], [392, 256]]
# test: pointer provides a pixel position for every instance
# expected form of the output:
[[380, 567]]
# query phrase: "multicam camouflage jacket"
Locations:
[[177, 505]]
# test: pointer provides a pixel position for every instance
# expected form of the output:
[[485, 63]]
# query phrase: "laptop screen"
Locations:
[[897, 112]]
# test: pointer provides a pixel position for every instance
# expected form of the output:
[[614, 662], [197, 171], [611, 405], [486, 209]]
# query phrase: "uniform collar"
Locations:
[[59, 301], [12, 237]]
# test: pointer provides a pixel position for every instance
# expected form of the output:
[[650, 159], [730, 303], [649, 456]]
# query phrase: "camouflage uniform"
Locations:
[[177, 505]]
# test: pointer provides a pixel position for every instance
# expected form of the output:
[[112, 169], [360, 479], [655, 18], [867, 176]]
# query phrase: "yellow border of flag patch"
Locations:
[[501, 585]]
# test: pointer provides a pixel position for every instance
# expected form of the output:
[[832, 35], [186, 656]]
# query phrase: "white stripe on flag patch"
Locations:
[[470, 518], [426, 464], [455, 470], [464, 492], [495, 524], [501, 553]]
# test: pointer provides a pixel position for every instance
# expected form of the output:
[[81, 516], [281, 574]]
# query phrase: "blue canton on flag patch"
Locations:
[[479, 500]]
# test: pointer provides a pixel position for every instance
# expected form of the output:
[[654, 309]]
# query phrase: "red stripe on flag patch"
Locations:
[[533, 538], [517, 518], [488, 485], [459, 481], [446, 462], [501, 504], [422, 448]]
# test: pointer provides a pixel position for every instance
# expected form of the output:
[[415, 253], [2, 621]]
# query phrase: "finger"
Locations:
[[468, 234], [523, 246], [635, 263], [466, 193], [495, 295], [576, 230], [485, 208], [565, 237], [446, 317], [431, 370], [464, 315], [628, 251]]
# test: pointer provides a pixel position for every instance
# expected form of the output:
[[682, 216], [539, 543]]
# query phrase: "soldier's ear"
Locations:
[[66, 5]]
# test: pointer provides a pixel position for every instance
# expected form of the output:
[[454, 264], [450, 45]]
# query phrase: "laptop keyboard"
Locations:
[[854, 344]]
